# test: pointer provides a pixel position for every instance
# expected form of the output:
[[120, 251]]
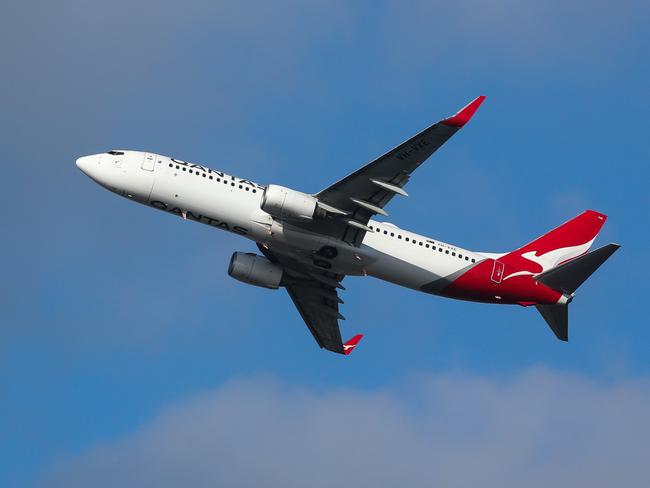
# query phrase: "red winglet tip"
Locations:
[[351, 344], [600, 215], [465, 113]]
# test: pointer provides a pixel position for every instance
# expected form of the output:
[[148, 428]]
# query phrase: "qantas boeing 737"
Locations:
[[310, 242]]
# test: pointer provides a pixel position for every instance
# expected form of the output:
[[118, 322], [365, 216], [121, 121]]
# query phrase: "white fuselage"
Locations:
[[226, 202]]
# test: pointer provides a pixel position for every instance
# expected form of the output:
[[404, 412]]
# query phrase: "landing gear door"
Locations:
[[149, 162], [497, 271]]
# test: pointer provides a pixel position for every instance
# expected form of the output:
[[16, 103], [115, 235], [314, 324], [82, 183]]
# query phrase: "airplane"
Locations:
[[310, 242]]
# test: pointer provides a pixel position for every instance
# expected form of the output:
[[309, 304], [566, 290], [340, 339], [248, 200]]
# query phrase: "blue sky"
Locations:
[[120, 331]]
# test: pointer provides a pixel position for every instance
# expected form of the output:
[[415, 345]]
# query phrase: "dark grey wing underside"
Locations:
[[314, 293], [323, 325]]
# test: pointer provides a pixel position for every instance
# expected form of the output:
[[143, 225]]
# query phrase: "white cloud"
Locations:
[[541, 428]]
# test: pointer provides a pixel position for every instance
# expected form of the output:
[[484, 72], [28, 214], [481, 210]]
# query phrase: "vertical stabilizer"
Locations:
[[576, 232], [566, 242]]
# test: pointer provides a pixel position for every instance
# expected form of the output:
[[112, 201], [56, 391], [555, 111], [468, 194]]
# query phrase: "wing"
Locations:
[[353, 200], [314, 293], [321, 315]]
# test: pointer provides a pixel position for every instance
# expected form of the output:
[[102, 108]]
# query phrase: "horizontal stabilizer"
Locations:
[[557, 317], [569, 276]]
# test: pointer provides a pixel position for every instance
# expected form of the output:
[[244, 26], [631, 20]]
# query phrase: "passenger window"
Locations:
[[190, 171], [254, 190], [392, 234], [184, 168], [210, 176], [427, 246], [385, 232], [447, 251], [399, 236], [407, 239]]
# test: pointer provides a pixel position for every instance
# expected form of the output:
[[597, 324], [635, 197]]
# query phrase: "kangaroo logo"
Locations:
[[552, 258]]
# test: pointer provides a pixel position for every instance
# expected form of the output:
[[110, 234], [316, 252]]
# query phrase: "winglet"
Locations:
[[351, 344], [465, 113]]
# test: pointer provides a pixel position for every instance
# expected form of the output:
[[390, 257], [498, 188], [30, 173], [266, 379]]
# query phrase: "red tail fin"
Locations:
[[351, 344], [568, 241]]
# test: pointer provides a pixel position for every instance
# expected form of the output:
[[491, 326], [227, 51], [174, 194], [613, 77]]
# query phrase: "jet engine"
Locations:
[[285, 203], [255, 270]]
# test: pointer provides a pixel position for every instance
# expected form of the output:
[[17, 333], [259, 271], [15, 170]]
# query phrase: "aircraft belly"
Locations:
[[306, 246]]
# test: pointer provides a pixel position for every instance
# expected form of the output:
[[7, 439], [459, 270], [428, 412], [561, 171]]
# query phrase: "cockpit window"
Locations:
[[116, 153]]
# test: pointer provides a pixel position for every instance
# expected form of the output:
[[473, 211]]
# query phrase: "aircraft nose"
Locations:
[[83, 163]]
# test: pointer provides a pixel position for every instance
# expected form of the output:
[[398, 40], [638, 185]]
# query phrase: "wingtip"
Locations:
[[595, 213], [464, 114], [349, 346]]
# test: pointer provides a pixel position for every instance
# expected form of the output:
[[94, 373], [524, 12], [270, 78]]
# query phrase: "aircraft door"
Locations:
[[497, 271], [149, 162]]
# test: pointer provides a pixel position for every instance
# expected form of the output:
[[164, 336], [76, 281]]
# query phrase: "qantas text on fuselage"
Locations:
[[310, 242]]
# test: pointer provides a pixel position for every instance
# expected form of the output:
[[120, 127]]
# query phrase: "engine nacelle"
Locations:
[[285, 203], [255, 270]]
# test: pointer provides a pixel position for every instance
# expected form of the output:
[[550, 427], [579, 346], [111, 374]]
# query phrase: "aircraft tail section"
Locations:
[[568, 241], [560, 260]]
